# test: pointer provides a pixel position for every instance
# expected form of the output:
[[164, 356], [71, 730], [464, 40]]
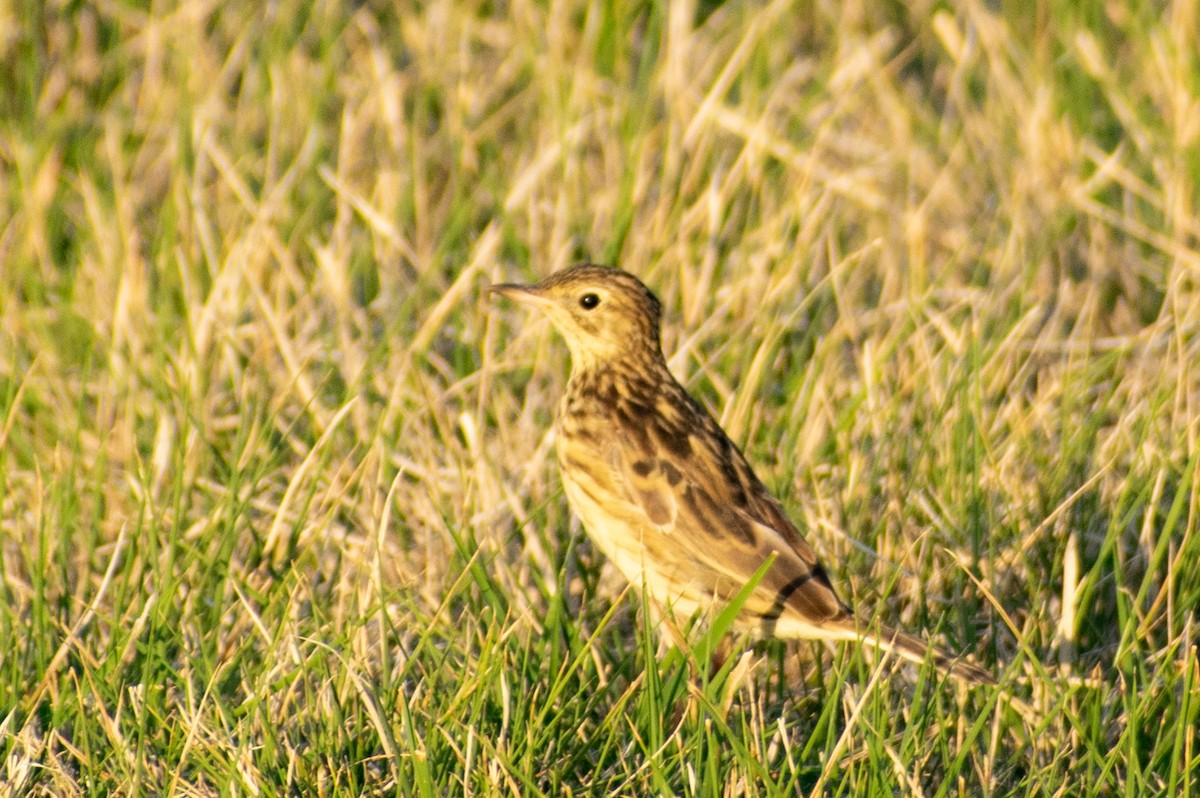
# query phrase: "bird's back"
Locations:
[[672, 501]]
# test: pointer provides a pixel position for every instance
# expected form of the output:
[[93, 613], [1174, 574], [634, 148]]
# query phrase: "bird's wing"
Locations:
[[692, 484]]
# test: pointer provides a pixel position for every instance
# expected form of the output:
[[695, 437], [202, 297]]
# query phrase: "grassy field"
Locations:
[[279, 513]]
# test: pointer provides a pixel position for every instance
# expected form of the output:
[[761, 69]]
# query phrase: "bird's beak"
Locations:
[[525, 294]]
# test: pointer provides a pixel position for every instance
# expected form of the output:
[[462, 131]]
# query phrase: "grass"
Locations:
[[278, 509]]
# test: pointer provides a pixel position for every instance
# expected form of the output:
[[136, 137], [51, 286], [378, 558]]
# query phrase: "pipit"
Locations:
[[665, 494]]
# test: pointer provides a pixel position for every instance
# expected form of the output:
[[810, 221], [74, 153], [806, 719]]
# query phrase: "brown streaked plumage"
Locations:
[[661, 489]]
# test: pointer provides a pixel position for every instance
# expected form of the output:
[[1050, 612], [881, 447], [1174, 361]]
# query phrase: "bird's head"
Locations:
[[606, 315]]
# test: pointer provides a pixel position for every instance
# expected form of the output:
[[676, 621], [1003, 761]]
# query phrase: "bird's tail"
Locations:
[[919, 651]]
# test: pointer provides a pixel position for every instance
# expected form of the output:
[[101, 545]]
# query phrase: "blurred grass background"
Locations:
[[278, 511]]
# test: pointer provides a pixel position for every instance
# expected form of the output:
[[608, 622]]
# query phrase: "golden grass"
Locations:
[[935, 267]]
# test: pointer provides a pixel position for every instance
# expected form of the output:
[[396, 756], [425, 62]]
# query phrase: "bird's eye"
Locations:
[[589, 301]]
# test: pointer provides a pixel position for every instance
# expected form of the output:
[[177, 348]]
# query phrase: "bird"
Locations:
[[664, 493]]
